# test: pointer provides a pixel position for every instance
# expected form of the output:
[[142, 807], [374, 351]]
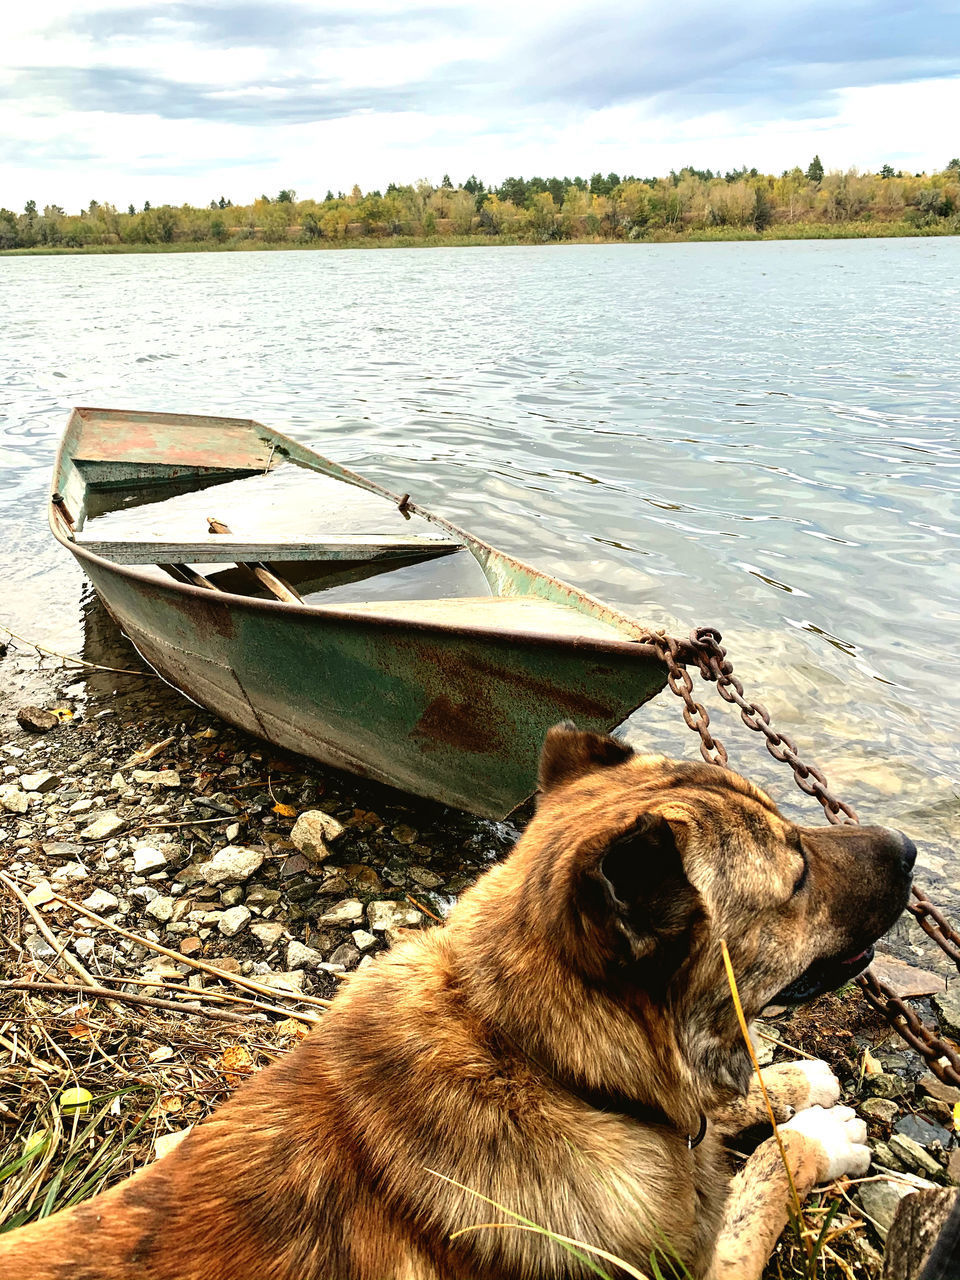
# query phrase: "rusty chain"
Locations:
[[704, 650]]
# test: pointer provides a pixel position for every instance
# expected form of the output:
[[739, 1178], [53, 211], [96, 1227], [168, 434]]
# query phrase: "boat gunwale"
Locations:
[[280, 608]]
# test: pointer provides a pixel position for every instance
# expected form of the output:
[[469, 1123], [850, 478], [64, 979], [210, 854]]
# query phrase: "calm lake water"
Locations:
[[760, 436]]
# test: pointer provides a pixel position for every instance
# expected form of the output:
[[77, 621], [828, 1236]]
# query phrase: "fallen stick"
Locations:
[[248, 983], [126, 997], [62, 953], [77, 662], [141, 757], [220, 996]]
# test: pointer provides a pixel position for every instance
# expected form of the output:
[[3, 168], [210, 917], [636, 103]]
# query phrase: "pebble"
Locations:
[[923, 1131], [36, 720], [346, 954], [164, 1143], [883, 1085], [102, 828], [313, 832], [233, 921], [347, 911], [947, 1006], [69, 871], [425, 878], [880, 1109], [913, 1155], [100, 901], [258, 896], [232, 895], [362, 940], [300, 956], [232, 865], [42, 781], [934, 1088], [268, 934], [392, 915], [13, 799], [41, 894], [160, 908], [147, 859], [292, 981], [81, 806], [880, 1201], [84, 947], [190, 946]]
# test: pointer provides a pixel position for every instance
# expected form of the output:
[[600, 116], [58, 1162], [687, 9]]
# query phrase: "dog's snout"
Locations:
[[908, 850]]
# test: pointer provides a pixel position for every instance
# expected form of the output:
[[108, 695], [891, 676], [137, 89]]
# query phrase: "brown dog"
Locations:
[[555, 1047]]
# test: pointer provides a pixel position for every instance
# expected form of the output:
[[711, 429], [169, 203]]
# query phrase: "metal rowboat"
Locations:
[[326, 615]]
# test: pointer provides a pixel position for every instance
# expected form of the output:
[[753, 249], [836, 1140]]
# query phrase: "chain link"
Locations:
[[704, 650]]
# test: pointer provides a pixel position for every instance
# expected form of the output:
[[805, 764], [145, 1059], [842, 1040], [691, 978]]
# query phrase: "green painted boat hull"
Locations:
[[456, 713]]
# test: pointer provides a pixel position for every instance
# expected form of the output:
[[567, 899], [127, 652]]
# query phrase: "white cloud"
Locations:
[[182, 101]]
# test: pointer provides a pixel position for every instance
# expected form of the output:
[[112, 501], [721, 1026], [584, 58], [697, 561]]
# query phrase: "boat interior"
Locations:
[[280, 522]]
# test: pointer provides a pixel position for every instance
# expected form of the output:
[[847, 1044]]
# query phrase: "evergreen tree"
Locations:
[[815, 170]]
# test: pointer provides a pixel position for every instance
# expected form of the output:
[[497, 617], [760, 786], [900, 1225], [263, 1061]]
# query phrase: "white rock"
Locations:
[[285, 981], [102, 828], [232, 865], [84, 947], [301, 957], [392, 915], [119, 783], [164, 1143], [44, 780], [147, 859], [41, 894], [100, 901], [81, 806], [13, 799], [267, 933], [168, 778], [232, 921], [69, 871], [347, 911], [161, 909], [313, 832], [362, 940]]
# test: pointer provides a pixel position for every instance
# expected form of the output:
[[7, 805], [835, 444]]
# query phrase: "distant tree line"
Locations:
[[602, 207]]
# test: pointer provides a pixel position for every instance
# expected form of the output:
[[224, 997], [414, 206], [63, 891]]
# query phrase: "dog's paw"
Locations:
[[838, 1137], [823, 1084]]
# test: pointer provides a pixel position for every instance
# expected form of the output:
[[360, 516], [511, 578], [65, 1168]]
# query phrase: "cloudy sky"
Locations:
[[184, 100]]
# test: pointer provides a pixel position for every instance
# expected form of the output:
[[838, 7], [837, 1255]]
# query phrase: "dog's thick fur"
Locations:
[[551, 1048]]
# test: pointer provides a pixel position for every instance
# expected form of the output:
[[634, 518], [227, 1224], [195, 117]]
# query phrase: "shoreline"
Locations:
[[725, 235], [131, 804]]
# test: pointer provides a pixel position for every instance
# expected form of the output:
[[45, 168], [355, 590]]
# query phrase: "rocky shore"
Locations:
[[165, 855]]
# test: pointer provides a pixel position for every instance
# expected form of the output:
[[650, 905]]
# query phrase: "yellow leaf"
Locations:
[[285, 810], [62, 713], [293, 1027], [236, 1062], [956, 1116], [871, 1067]]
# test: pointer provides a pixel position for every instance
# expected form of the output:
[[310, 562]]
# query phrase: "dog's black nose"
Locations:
[[908, 850]]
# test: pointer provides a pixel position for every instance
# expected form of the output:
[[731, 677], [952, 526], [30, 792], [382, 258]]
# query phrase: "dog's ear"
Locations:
[[569, 754], [646, 893]]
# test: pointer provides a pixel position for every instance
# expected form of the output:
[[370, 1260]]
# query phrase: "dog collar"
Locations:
[[611, 1103]]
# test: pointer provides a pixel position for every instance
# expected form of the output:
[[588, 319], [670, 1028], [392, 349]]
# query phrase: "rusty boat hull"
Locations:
[[361, 649]]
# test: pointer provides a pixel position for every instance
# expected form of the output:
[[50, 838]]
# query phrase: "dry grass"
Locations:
[[151, 1072]]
